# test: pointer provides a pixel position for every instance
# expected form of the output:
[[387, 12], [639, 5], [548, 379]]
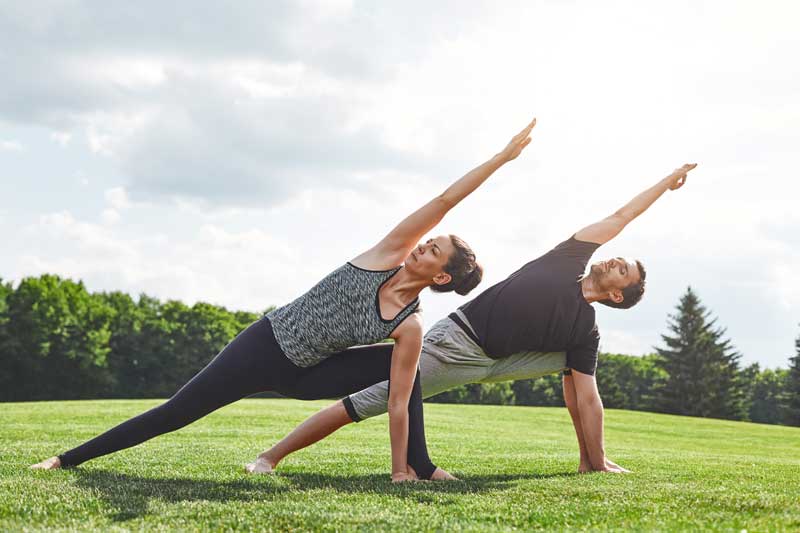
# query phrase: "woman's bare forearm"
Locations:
[[470, 181], [398, 434]]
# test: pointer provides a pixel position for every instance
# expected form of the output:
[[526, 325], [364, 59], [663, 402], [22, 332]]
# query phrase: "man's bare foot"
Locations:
[[53, 463], [443, 475], [260, 466]]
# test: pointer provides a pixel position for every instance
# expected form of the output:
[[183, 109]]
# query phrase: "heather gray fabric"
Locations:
[[450, 358], [338, 312]]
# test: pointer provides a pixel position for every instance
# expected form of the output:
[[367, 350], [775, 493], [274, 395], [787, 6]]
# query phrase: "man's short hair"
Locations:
[[630, 294]]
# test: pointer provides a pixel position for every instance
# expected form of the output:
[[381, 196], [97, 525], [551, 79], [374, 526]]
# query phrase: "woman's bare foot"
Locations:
[[260, 466], [438, 475], [53, 463], [443, 475]]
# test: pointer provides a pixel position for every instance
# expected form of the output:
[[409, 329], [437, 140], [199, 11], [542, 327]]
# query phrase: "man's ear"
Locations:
[[442, 278], [616, 296]]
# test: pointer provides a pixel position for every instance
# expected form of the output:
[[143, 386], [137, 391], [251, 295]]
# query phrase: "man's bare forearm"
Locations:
[[571, 401], [591, 418], [645, 199], [641, 202]]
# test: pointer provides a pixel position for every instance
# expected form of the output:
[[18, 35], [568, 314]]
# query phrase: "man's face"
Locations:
[[614, 274]]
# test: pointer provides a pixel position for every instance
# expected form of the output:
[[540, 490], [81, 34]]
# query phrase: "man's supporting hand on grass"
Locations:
[[586, 410]]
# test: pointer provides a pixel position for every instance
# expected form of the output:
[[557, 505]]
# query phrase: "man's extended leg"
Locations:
[[438, 372], [448, 360], [313, 429], [350, 371]]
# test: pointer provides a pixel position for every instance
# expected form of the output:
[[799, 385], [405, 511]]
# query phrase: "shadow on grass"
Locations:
[[129, 495]]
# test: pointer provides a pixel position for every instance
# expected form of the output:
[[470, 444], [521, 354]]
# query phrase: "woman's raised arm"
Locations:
[[395, 247]]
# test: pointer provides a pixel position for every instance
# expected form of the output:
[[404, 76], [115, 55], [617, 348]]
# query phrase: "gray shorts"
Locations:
[[450, 358]]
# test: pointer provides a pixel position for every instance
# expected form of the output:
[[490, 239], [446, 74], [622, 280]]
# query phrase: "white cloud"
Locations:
[[62, 138], [110, 216], [249, 269], [10, 146], [117, 198], [624, 342]]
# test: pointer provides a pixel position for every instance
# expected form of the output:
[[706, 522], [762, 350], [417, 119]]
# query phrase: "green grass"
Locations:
[[517, 466]]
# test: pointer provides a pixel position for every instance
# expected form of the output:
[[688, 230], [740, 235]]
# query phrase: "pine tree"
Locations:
[[702, 367], [793, 388]]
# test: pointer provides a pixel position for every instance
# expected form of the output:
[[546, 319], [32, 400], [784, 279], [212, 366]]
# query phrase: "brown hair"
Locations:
[[464, 270], [630, 294]]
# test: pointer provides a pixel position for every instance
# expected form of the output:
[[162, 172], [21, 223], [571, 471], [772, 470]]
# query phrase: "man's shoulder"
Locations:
[[568, 252]]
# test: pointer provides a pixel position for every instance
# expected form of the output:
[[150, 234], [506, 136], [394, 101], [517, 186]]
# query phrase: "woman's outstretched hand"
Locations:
[[518, 143]]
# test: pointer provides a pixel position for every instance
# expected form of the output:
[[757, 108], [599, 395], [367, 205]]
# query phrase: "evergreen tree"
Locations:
[[793, 388], [702, 367], [765, 394]]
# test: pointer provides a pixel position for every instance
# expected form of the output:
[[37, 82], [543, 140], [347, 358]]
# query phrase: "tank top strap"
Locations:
[[410, 309]]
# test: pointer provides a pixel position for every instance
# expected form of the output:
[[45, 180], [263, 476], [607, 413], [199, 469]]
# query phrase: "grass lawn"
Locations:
[[517, 464]]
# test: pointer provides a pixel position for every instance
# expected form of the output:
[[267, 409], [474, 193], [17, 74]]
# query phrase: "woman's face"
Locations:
[[429, 259]]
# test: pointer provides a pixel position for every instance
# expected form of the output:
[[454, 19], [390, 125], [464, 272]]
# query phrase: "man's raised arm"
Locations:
[[608, 228]]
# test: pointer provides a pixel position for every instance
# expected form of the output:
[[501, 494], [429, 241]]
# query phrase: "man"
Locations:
[[537, 321]]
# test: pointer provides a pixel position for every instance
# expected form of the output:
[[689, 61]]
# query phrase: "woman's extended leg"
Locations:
[[240, 369]]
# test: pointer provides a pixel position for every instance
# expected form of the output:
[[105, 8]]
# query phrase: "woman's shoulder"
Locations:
[[374, 260], [410, 327]]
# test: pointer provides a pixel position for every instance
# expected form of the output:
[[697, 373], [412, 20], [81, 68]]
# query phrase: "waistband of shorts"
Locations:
[[461, 322]]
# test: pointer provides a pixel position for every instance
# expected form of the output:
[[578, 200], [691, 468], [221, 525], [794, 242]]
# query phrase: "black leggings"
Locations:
[[253, 362]]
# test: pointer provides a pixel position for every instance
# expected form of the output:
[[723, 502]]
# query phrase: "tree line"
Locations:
[[58, 341]]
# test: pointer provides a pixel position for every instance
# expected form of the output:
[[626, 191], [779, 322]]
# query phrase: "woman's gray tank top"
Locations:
[[339, 312]]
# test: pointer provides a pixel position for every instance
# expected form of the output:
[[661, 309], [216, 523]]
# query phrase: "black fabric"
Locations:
[[253, 362], [540, 307], [465, 328], [351, 409]]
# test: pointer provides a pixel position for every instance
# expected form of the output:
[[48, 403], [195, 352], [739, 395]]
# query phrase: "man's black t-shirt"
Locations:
[[541, 308]]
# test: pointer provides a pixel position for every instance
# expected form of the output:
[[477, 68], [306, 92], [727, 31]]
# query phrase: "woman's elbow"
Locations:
[[397, 407]]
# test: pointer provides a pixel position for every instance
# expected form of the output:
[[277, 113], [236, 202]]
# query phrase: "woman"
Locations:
[[290, 350]]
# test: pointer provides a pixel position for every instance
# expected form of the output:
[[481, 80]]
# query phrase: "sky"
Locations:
[[238, 154]]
